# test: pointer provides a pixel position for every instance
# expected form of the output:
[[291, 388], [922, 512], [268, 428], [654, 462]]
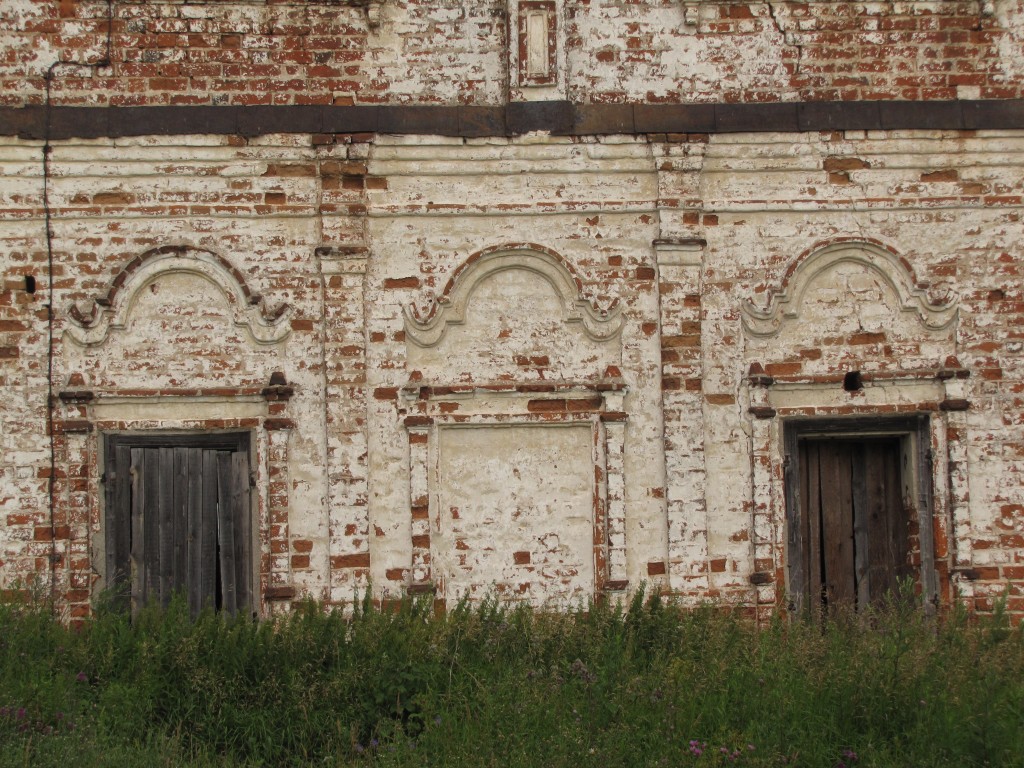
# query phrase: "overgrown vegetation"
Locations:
[[652, 685]]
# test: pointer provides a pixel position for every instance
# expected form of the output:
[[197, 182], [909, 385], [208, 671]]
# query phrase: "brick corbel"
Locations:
[[757, 376], [278, 425], [73, 426], [76, 396], [278, 389]]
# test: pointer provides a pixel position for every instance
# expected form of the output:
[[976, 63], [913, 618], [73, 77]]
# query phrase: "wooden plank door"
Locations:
[[854, 527], [887, 518]]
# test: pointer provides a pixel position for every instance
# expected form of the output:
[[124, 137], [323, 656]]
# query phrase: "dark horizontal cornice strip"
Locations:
[[561, 118]]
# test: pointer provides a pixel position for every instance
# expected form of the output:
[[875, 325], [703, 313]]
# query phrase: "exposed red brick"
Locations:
[[834, 164], [554, 405], [583, 404], [720, 398], [359, 560], [936, 176], [113, 198], [783, 369], [866, 337], [393, 283]]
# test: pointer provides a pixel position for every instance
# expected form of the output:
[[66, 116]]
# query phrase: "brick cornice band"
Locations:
[[555, 117]]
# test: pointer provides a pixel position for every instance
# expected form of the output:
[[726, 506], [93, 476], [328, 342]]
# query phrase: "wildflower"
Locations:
[[359, 747], [20, 714], [81, 677], [374, 743]]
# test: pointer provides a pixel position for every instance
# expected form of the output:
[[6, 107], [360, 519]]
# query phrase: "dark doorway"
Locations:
[[178, 518], [854, 501]]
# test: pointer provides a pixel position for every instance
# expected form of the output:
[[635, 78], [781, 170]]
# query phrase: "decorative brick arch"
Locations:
[[249, 310], [426, 324], [935, 312]]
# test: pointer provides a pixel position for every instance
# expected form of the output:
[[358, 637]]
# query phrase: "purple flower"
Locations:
[[20, 714], [81, 677]]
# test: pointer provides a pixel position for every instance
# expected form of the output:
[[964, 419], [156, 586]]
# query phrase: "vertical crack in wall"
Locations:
[[788, 38]]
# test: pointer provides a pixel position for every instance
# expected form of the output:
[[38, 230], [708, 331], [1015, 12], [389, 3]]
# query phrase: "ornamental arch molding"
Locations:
[[934, 308], [112, 312], [427, 322]]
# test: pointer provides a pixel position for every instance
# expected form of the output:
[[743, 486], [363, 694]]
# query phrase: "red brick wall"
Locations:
[[453, 52]]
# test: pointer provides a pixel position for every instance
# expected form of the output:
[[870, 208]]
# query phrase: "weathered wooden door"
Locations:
[[178, 518], [856, 526]]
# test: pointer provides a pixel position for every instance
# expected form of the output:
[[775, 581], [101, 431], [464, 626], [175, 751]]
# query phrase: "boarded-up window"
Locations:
[[178, 518], [854, 503]]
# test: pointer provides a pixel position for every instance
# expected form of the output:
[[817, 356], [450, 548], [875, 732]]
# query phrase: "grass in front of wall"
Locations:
[[650, 685]]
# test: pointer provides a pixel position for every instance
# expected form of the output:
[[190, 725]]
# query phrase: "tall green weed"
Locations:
[[645, 684]]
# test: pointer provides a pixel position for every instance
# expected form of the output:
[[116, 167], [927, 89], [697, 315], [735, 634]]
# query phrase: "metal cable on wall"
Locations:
[[48, 78]]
